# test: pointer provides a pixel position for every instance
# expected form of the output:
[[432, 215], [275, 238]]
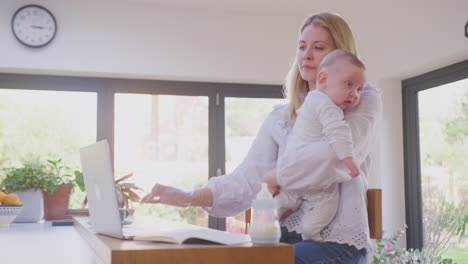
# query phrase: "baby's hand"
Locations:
[[270, 180], [351, 165]]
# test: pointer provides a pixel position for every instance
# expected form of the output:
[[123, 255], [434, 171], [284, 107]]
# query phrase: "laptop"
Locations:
[[102, 198], [99, 183], [104, 210]]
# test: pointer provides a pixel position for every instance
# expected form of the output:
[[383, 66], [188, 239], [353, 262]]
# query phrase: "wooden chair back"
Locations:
[[374, 213]]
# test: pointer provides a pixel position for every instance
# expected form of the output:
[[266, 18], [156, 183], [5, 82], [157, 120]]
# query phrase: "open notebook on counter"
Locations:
[[207, 236], [149, 228], [153, 229], [181, 233]]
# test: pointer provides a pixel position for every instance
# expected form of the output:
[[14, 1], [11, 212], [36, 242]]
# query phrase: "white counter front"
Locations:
[[44, 243]]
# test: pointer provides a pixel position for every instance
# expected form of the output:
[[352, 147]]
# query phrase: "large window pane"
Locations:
[[40, 125], [443, 117], [244, 116], [163, 139]]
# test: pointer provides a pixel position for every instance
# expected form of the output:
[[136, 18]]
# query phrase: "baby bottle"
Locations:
[[264, 228]]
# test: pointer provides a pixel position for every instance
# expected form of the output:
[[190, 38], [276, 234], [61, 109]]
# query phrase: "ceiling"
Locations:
[[398, 39], [291, 5]]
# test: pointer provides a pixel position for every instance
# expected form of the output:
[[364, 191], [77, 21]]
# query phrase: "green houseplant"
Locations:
[[57, 188], [24, 178], [27, 182], [54, 180]]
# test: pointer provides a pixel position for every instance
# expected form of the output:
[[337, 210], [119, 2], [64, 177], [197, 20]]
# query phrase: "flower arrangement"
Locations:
[[442, 220], [386, 252], [441, 223]]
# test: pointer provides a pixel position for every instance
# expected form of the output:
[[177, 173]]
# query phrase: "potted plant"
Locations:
[[27, 182], [57, 188], [126, 192]]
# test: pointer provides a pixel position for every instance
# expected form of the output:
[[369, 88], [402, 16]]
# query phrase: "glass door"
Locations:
[[443, 133], [163, 139], [243, 118]]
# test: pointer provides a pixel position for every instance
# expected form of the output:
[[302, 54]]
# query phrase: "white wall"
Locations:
[[391, 155], [151, 41], [397, 40]]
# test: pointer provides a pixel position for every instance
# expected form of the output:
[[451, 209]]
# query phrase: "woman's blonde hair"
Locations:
[[297, 88]]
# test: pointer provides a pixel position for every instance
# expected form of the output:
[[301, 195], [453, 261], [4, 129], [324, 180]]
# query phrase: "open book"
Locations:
[[196, 236]]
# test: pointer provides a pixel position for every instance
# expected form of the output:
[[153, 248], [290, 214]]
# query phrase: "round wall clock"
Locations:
[[34, 26], [466, 30]]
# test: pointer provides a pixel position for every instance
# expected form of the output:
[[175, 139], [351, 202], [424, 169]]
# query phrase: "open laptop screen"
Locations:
[[99, 182]]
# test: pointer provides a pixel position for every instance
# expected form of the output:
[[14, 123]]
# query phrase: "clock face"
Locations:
[[466, 30], [34, 26]]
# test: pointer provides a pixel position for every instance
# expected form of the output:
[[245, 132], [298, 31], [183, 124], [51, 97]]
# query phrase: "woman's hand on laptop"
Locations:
[[168, 195], [173, 196]]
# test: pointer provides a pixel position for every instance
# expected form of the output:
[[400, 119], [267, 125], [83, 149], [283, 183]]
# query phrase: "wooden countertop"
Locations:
[[116, 251]]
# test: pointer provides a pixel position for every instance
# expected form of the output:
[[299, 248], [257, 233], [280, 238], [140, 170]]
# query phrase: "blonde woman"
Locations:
[[314, 167]]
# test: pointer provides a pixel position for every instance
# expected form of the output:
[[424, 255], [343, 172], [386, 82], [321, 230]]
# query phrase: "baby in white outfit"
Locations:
[[340, 79]]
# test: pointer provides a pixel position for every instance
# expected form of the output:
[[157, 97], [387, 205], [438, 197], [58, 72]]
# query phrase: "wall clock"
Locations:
[[34, 26], [466, 30]]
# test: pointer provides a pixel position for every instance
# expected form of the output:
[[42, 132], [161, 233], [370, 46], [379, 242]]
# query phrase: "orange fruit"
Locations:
[[2, 197], [12, 199]]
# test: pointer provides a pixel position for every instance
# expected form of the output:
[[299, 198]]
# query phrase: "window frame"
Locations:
[[411, 143], [106, 88]]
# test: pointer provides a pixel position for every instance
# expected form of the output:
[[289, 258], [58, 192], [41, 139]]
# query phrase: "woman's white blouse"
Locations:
[[312, 167]]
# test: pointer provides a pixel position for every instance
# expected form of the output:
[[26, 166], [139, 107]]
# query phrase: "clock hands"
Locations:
[[39, 27]]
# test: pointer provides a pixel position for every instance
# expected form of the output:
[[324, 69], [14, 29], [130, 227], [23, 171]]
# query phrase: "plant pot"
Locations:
[[33, 206], [56, 203]]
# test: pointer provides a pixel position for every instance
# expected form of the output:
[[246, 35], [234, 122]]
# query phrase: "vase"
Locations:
[[33, 206]]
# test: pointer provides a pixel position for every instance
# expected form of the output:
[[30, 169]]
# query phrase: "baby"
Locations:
[[340, 79]]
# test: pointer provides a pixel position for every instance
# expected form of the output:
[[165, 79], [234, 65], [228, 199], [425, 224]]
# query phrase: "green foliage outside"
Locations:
[[36, 126], [31, 132], [444, 152], [458, 255], [244, 116]]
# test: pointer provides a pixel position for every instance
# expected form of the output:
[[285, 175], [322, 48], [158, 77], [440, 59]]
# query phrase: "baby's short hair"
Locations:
[[338, 54]]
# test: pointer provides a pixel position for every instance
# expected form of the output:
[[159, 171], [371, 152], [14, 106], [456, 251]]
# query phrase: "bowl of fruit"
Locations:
[[10, 207]]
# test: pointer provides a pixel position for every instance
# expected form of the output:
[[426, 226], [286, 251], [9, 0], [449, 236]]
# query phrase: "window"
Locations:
[[435, 109], [244, 116], [39, 125], [232, 100], [163, 131], [163, 139]]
